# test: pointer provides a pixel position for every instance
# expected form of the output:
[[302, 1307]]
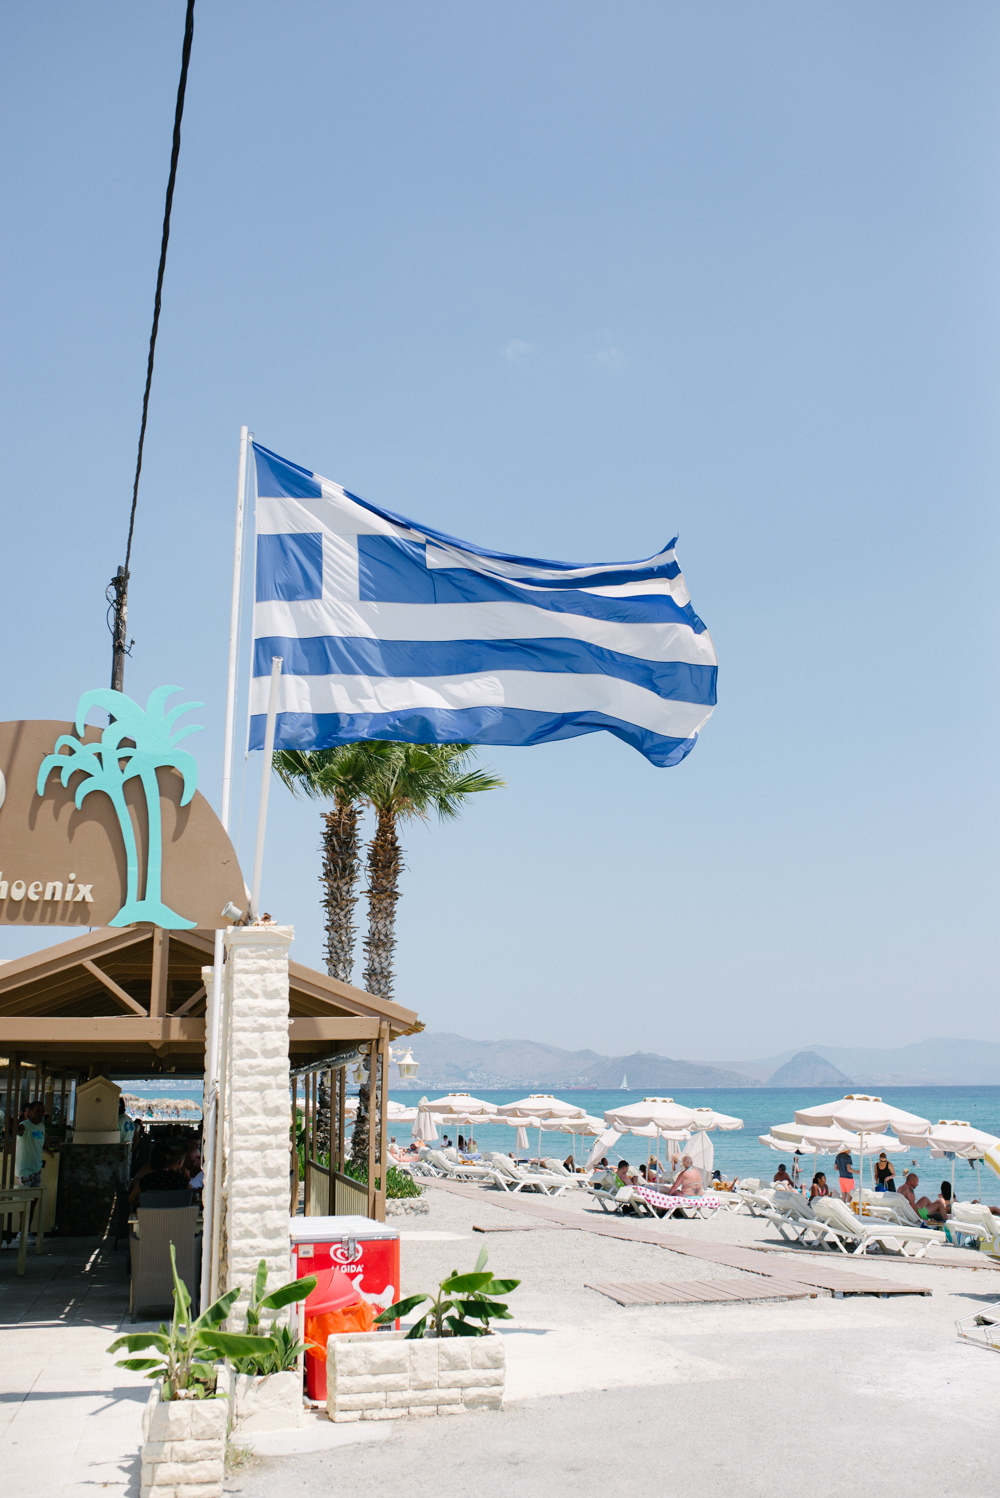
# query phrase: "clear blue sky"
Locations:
[[564, 279]]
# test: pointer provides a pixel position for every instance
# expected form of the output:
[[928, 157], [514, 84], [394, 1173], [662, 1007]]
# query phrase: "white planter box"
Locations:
[[382, 1376], [272, 1402], [183, 1447]]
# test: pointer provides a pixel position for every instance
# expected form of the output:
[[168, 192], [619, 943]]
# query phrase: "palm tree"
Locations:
[[399, 782], [343, 776], [410, 781]]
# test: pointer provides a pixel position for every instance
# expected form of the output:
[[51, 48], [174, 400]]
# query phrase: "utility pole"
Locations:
[[117, 596]]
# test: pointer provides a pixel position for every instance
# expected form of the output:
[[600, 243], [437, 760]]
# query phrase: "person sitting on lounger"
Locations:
[[626, 1175], [938, 1210], [819, 1186], [688, 1182], [908, 1189], [782, 1178]]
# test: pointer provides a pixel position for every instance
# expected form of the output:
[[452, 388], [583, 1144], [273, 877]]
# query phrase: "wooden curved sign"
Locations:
[[61, 865]]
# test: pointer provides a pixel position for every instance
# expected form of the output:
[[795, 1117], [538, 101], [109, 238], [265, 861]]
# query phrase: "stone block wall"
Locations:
[[256, 1114], [383, 1376], [183, 1448]]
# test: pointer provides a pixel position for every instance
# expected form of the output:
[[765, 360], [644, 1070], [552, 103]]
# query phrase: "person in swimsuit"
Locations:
[[885, 1176], [938, 1210], [908, 1189], [782, 1178], [819, 1186]]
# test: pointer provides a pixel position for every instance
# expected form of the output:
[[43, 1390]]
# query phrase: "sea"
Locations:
[[737, 1152]]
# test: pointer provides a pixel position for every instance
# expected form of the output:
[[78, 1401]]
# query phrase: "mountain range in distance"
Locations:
[[455, 1063]]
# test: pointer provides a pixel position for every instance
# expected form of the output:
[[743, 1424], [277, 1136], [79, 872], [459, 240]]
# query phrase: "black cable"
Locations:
[[174, 154]]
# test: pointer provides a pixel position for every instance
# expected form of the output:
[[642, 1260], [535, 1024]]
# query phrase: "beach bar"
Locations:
[[134, 1003]]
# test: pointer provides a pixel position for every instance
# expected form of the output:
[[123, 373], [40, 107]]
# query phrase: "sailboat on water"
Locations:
[[625, 1086]]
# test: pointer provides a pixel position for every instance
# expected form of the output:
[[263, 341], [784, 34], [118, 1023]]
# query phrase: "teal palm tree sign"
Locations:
[[134, 745]]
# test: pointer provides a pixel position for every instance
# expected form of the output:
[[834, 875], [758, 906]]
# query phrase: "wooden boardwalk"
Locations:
[[832, 1277], [702, 1292]]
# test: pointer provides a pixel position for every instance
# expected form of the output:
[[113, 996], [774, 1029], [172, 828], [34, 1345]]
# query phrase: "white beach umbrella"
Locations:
[[864, 1115], [522, 1125], [541, 1108], [459, 1107], [540, 1105], [953, 1136], [424, 1127], [585, 1127], [849, 1111], [827, 1140], [660, 1112], [605, 1142], [707, 1119]]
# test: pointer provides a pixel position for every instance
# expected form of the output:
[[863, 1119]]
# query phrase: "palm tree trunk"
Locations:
[[341, 867], [385, 864], [359, 1138]]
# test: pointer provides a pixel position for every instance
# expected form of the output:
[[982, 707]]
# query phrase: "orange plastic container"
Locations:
[[356, 1264]]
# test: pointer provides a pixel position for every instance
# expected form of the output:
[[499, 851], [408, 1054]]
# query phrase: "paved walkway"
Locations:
[[834, 1276], [56, 1323]]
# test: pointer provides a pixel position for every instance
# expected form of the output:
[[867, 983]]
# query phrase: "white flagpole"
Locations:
[[211, 1194], [265, 783]]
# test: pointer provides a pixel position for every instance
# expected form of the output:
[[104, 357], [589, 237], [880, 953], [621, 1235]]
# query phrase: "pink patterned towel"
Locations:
[[658, 1199]]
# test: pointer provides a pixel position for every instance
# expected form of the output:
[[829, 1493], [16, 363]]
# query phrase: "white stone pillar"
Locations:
[[256, 1117]]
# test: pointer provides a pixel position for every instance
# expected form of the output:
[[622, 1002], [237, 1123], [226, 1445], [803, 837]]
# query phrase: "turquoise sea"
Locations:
[[739, 1152]]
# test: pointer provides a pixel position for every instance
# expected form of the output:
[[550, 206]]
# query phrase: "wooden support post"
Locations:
[[330, 1137], [341, 1114], [158, 981], [294, 1203], [309, 1113], [373, 1110], [383, 1132]]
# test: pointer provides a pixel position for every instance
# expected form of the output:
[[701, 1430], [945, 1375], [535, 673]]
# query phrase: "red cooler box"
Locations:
[[366, 1251]]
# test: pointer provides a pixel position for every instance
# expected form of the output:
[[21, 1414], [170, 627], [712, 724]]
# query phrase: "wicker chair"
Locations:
[[152, 1281]]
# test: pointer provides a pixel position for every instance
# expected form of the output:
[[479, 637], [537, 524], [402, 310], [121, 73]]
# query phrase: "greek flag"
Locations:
[[389, 629]]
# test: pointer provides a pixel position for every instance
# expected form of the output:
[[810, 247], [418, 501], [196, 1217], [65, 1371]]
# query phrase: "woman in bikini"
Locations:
[[819, 1186]]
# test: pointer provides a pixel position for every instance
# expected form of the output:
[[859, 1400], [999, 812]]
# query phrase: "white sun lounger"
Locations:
[[616, 1201], [974, 1218], [512, 1178], [446, 1167], [890, 1237]]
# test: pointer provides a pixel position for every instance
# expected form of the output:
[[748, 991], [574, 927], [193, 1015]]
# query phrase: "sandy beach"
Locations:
[[757, 1398]]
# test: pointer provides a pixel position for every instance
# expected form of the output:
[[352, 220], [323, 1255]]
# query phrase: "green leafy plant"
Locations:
[[186, 1349], [462, 1299], [398, 1183], [277, 1350]]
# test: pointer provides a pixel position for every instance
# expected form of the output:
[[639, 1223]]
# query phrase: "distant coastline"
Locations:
[[449, 1061]]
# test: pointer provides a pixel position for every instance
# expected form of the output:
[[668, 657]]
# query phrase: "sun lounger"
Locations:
[[514, 1178], [663, 1203], [626, 1197], [892, 1205], [891, 1238], [978, 1221], [797, 1223], [445, 1167], [757, 1202]]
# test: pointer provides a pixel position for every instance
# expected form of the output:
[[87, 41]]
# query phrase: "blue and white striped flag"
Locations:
[[391, 630]]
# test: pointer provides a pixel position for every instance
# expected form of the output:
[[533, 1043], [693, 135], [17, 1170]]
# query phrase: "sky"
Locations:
[[565, 279]]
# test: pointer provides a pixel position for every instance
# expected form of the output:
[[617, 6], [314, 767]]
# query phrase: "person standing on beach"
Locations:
[[845, 1173]]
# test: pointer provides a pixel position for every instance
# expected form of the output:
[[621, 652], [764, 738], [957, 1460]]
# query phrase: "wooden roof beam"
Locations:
[[126, 1000]]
